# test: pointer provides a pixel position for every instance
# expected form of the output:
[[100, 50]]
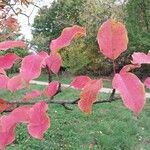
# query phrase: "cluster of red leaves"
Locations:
[[90, 89], [30, 69], [9, 26], [36, 125], [112, 39]]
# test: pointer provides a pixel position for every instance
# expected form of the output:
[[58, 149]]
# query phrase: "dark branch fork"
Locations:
[[64, 103], [11, 5]]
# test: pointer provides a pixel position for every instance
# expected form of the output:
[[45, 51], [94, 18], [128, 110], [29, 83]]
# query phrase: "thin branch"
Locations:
[[113, 90], [11, 7], [35, 5], [63, 103], [112, 95]]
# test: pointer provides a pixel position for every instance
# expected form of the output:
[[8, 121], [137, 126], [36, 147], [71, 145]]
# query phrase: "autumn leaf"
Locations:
[[67, 35], [131, 90], [88, 95], [80, 81], [38, 125], [112, 39], [31, 67]]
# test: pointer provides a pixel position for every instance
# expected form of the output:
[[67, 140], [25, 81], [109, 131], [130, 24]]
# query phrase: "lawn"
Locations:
[[66, 79], [110, 127]]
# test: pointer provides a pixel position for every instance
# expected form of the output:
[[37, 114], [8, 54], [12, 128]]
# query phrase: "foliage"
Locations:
[[50, 21], [19, 52], [138, 25], [112, 41], [108, 124], [75, 59]]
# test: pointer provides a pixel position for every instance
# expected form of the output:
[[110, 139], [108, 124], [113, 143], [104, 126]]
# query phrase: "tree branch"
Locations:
[[64, 103]]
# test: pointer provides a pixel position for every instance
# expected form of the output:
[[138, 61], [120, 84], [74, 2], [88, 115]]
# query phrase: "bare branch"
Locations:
[[64, 103], [35, 5]]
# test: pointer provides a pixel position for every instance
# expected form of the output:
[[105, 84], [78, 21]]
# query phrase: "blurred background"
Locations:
[[46, 19]]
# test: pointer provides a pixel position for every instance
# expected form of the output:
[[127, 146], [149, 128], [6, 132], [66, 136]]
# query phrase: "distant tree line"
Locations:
[[83, 55]]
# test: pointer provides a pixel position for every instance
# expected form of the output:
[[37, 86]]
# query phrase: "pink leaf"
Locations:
[[140, 58], [44, 55], [12, 44], [112, 38], [7, 131], [129, 67], [88, 95], [80, 81], [54, 62], [7, 61], [15, 83], [8, 124], [3, 81], [38, 125], [33, 94], [131, 90], [31, 67], [147, 82], [4, 105], [2, 71], [67, 35], [52, 89], [20, 114]]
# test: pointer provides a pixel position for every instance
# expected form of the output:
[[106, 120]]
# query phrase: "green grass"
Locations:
[[66, 79], [62, 78], [110, 127]]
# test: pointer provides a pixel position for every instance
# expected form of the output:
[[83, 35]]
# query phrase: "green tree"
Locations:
[[87, 13], [51, 21], [138, 25]]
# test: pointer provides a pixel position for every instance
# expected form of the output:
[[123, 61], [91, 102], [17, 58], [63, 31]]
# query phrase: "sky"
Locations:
[[23, 20]]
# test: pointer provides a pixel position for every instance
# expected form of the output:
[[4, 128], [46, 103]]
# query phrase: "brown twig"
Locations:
[[64, 103], [113, 90]]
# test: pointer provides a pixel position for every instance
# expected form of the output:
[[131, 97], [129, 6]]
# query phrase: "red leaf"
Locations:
[[2, 71], [12, 44], [140, 58], [4, 105], [147, 82], [7, 61], [8, 124], [20, 114], [38, 125], [15, 83], [11, 24], [131, 90], [54, 62], [33, 94], [88, 95], [80, 81], [129, 67], [31, 67], [52, 89], [112, 38], [44, 55], [3, 81], [67, 35], [7, 131]]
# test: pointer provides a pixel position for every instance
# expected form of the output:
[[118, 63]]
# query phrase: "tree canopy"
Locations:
[[89, 14], [138, 24]]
